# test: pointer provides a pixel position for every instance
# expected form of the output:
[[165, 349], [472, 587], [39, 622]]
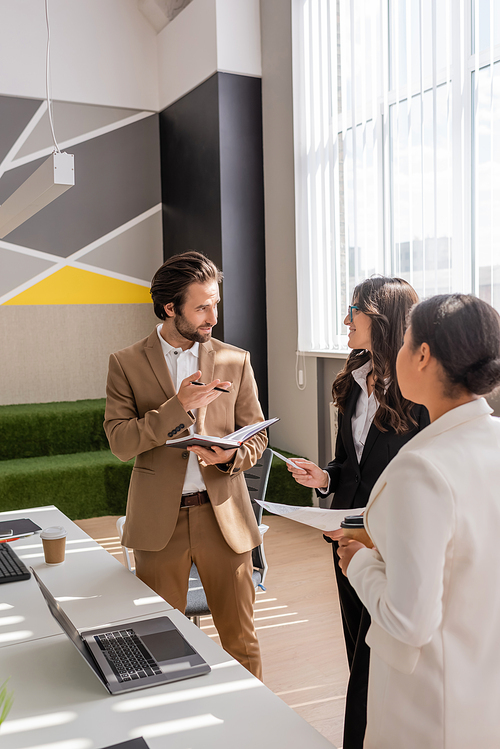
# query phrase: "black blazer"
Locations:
[[351, 481]]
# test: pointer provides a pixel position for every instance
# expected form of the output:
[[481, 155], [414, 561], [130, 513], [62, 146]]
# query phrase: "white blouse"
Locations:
[[366, 407]]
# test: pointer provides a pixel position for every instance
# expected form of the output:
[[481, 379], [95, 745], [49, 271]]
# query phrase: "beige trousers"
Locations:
[[226, 578]]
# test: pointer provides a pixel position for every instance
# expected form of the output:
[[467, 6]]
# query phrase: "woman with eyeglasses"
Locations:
[[374, 422], [432, 585]]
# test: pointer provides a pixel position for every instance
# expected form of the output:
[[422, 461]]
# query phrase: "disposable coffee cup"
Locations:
[[353, 527], [54, 544]]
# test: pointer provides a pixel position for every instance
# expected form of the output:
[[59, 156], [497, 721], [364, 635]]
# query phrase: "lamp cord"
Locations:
[[47, 79]]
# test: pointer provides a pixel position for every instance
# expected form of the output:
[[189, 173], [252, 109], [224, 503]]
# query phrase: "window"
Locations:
[[397, 152]]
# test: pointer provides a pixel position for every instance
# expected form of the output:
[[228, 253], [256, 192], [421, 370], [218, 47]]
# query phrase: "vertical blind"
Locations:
[[396, 107]]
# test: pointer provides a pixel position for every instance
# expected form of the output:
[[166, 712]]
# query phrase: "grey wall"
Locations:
[[494, 401], [60, 352], [297, 430], [328, 369], [16, 114]]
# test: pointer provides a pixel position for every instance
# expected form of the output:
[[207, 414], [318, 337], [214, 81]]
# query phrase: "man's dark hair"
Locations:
[[170, 282]]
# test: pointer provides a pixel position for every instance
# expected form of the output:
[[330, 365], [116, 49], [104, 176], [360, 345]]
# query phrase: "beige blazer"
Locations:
[[433, 588], [142, 412]]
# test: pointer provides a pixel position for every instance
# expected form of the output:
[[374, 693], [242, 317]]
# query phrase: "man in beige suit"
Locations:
[[190, 505]]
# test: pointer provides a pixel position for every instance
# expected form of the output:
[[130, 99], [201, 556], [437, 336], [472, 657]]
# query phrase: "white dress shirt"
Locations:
[[366, 408], [181, 364]]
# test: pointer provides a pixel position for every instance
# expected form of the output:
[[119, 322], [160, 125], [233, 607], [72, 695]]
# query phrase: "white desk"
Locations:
[[93, 586], [60, 704]]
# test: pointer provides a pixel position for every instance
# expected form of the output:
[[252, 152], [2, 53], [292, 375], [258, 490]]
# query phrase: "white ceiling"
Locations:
[[160, 12]]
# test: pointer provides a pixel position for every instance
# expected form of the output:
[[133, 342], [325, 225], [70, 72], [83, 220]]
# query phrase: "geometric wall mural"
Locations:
[[101, 241], [71, 285]]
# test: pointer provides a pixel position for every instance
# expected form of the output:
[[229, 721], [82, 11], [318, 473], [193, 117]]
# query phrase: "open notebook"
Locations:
[[235, 439]]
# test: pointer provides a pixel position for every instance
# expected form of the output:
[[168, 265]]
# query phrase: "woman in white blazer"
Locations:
[[432, 584]]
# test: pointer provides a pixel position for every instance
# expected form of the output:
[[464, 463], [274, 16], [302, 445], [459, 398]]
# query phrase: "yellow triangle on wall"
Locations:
[[76, 286]]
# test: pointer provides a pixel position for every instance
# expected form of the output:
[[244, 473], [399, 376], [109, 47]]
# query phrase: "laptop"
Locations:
[[131, 656]]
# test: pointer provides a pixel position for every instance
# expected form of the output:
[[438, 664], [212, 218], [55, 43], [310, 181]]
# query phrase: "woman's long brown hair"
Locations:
[[387, 301]]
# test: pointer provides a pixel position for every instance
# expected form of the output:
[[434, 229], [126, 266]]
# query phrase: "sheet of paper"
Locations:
[[316, 517]]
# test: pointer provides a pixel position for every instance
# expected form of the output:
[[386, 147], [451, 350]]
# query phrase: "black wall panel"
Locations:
[[190, 173], [242, 217], [213, 200]]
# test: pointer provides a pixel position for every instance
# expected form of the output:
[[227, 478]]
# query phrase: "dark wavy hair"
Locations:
[[171, 280], [387, 301], [463, 334]]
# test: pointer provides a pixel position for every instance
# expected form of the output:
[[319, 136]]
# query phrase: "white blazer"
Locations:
[[432, 587]]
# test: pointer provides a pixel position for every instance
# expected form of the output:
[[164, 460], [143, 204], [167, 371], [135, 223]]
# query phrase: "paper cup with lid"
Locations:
[[54, 544]]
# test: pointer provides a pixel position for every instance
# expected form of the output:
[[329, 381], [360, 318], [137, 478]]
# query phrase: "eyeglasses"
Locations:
[[350, 309]]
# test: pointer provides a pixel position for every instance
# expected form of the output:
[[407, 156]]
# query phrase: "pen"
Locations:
[[4, 539], [287, 460], [221, 390]]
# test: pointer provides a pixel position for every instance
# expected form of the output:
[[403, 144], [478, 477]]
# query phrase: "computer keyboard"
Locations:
[[127, 655], [12, 570]]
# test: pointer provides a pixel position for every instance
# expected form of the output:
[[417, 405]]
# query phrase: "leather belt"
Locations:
[[194, 499]]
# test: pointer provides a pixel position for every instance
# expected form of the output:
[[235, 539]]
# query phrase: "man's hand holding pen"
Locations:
[[202, 384], [193, 394]]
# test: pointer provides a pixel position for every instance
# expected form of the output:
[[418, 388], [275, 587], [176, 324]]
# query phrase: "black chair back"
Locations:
[[256, 479]]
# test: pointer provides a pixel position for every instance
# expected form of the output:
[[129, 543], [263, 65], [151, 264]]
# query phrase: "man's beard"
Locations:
[[189, 332]]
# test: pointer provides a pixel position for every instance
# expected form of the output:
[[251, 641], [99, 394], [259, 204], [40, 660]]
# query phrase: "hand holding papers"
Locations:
[[309, 474], [315, 517]]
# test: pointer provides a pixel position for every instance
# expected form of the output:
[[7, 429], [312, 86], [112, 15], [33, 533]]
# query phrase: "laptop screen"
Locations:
[[60, 616]]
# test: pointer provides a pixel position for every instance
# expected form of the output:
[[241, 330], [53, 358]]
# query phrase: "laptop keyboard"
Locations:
[[11, 568], [127, 655]]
